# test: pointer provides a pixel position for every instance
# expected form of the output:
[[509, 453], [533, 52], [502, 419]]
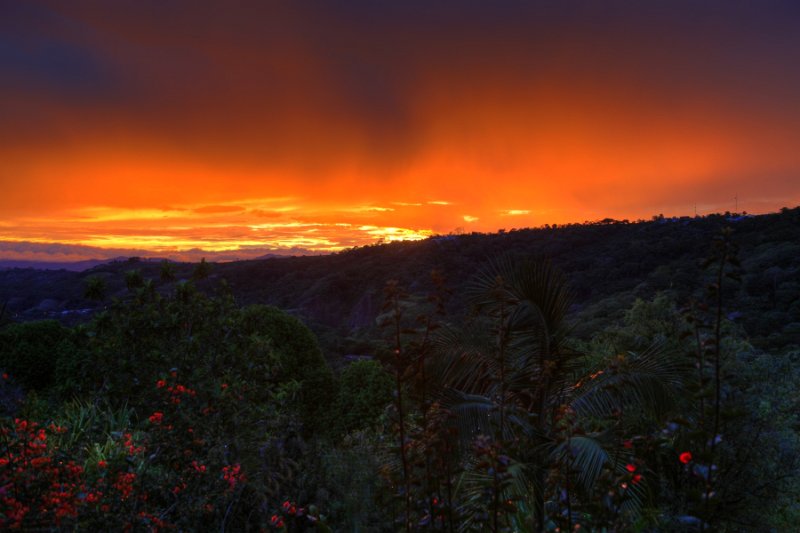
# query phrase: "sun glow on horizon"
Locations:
[[237, 229]]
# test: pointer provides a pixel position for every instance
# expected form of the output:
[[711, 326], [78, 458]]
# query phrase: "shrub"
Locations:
[[31, 351], [299, 359], [365, 389]]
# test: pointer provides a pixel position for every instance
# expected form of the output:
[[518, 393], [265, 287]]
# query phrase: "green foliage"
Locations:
[[347, 482], [299, 359], [365, 389], [167, 273], [128, 347], [653, 321], [31, 351], [765, 441], [134, 279], [198, 401], [529, 385], [95, 288], [202, 270]]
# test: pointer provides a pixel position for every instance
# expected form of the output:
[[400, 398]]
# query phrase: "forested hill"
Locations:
[[609, 265]]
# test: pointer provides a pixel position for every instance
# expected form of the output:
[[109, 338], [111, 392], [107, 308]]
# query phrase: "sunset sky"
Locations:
[[180, 129]]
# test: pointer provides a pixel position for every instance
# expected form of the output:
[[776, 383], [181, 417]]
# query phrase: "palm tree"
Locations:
[[95, 288], [522, 383], [167, 271]]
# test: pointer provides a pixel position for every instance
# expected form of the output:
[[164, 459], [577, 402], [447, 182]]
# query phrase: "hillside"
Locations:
[[609, 264]]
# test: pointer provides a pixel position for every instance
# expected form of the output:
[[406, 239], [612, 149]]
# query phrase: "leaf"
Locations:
[[584, 454]]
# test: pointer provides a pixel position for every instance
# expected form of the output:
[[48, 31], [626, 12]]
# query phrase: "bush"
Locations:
[[365, 389], [30, 351], [299, 359]]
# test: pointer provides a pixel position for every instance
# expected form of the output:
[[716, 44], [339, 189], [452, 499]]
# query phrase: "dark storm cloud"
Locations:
[[39, 52], [281, 73]]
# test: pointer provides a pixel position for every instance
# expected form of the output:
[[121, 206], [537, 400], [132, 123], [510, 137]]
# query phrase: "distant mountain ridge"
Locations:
[[74, 266], [80, 266]]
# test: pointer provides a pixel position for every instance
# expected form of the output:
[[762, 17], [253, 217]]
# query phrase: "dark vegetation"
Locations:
[[598, 377]]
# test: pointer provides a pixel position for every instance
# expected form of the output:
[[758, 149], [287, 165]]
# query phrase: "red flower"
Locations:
[[124, 484], [685, 457], [101, 464], [637, 478], [36, 462], [132, 449], [630, 468], [233, 474], [160, 384], [628, 444], [156, 417]]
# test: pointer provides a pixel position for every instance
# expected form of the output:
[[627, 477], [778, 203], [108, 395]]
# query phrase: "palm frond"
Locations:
[[585, 455], [475, 415], [538, 282], [462, 360], [648, 381], [474, 491], [541, 284]]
